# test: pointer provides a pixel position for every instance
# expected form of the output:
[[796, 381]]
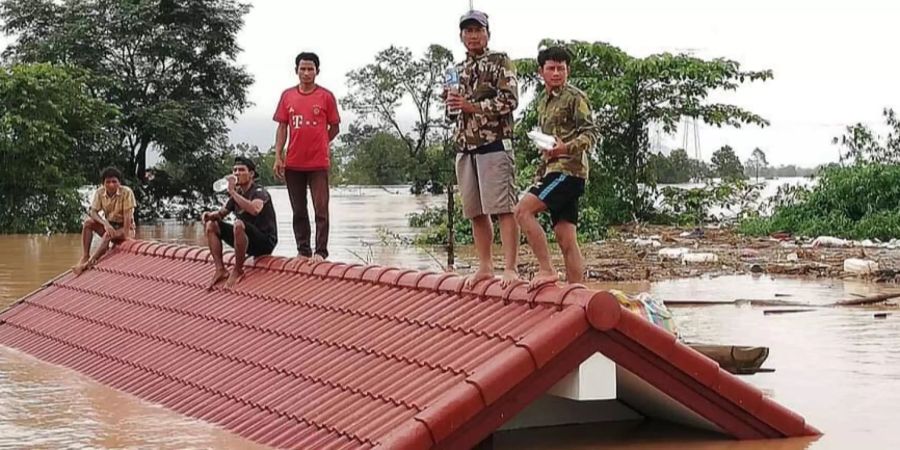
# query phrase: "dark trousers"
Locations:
[[317, 181]]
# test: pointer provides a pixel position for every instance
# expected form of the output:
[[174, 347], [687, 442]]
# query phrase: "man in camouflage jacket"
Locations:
[[565, 113], [485, 166]]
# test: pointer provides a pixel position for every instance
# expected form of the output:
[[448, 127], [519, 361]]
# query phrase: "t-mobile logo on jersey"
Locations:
[[297, 119]]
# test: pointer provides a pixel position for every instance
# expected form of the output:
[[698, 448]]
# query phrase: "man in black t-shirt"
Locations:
[[254, 231]]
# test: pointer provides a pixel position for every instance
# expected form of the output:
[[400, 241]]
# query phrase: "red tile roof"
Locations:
[[334, 356]]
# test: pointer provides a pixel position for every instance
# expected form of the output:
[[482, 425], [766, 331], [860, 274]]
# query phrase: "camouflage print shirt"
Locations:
[[566, 113], [489, 81]]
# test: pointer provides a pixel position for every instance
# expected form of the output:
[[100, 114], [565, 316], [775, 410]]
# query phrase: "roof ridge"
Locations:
[[516, 292]]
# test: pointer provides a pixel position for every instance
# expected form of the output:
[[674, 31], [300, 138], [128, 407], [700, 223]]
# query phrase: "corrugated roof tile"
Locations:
[[338, 356]]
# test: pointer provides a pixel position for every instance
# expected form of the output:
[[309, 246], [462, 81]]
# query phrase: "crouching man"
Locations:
[[254, 231], [114, 225]]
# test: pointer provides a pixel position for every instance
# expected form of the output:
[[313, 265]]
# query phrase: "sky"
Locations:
[[835, 62]]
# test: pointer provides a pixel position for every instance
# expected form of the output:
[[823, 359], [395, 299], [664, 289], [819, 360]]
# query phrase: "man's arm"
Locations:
[[94, 214], [252, 207], [507, 98], [94, 210], [587, 133], [333, 130], [128, 207], [280, 140], [334, 118], [128, 230], [585, 136], [282, 117], [217, 215]]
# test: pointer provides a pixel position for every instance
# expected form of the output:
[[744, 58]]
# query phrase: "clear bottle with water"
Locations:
[[221, 185], [451, 83]]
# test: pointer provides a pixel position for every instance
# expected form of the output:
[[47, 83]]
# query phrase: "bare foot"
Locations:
[[83, 265], [508, 277], [233, 279], [542, 278], [477, 277], [317, 258], [77, 269], [217, 277]]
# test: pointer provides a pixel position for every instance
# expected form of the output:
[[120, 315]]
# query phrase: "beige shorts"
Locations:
[[487, 182]]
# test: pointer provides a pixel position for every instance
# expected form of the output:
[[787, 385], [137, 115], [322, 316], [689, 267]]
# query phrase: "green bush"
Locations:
[[433, 221], [592, 225], [692, 206], [856, 202]]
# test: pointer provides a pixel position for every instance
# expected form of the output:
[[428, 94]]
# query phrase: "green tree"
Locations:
[[699, 170], [48, 116], [857, 201], [372, 156], [789, 170], [860, 144], [395, 78], [629, 94], [726, 164], [757, 162], [677, 167], [176, 180], [168, 66]]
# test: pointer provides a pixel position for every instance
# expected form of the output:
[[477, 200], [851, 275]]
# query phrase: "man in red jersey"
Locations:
[[308, 113]]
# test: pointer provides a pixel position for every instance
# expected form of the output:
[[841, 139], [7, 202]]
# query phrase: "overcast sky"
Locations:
[[835, 62]]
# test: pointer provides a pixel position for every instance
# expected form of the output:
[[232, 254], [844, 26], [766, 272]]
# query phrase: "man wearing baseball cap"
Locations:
[[485, 166], [254, 231]]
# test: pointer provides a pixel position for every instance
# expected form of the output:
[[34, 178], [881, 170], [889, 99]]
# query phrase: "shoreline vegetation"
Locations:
[[67, 113]]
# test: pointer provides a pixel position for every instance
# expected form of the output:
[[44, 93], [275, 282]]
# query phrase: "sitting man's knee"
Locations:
[[212, 227], [239, 225]]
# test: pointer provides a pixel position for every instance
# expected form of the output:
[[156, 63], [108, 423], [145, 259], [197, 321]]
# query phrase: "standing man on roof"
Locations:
[[564, 112], [308, 120], [485, 167]]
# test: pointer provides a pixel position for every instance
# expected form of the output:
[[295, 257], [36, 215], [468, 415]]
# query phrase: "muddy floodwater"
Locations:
[[838, 367]]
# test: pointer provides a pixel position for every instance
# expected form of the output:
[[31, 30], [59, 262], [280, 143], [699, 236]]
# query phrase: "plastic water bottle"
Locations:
[[451, 82], [221, 185]]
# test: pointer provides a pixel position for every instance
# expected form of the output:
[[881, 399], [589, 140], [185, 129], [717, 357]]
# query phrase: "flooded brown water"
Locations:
[[838, 367]]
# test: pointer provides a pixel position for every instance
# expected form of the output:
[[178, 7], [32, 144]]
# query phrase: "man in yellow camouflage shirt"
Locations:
[[117, 204], [565, 113], [485, 166]]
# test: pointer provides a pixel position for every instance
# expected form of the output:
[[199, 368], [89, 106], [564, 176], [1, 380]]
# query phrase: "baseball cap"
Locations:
[[473, 15], [247, 162]]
